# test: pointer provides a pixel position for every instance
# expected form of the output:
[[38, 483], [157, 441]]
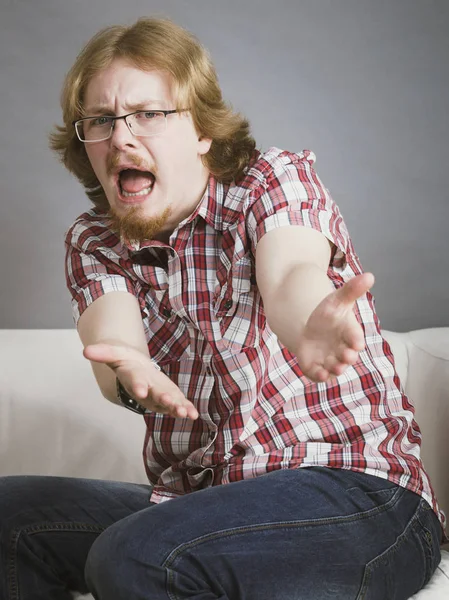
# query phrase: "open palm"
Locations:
[[136, 372], [332, 337]]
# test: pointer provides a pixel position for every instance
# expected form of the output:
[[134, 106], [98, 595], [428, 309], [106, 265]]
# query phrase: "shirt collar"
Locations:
[[211, 206], [220, 207]]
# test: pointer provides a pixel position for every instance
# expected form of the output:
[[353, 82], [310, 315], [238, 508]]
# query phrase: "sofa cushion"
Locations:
[[53, 418]]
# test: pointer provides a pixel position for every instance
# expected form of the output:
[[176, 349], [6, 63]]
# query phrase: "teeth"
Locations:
[[141, 193]]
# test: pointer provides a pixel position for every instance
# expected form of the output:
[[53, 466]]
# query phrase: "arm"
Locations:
[[114, 319], [312, 319], [291, 266], [114, 341]]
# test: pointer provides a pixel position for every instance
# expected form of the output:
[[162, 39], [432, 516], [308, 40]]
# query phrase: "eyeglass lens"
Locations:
[[142, 123]]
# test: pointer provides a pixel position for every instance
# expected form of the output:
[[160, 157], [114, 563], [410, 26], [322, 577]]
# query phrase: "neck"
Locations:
[[166, 232]]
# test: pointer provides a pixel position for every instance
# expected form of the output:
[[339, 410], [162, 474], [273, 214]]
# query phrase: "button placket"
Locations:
[[212, 437], [228, 304], [206, 390], [175, 286]]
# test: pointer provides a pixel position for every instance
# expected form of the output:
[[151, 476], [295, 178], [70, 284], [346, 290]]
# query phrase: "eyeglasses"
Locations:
[[141, 123]]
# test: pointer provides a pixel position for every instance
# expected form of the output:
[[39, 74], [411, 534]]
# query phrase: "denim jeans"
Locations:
[[308, 534]]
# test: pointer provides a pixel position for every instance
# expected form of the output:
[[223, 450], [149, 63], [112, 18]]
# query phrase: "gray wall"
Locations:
[[363, 83]]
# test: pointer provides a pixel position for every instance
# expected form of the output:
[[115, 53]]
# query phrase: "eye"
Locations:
[[147, 115], [100, 121]]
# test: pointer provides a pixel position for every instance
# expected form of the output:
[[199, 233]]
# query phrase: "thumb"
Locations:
[[105, 353], [355, 288]]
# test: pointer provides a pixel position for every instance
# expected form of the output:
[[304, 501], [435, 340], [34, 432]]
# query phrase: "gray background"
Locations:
[[363, 83]]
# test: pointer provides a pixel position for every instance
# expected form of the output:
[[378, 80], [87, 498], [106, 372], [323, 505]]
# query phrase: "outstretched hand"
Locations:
[[332, 337], [142, 380]]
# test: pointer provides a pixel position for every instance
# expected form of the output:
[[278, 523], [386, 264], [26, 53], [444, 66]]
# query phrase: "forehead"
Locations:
[[123, 85]]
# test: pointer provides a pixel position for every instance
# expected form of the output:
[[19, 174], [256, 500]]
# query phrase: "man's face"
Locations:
[[173, 156]]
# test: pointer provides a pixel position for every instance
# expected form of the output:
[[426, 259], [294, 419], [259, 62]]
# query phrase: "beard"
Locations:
[[133, 227]]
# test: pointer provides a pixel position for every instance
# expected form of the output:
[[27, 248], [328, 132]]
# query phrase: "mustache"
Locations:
[[117, 158]]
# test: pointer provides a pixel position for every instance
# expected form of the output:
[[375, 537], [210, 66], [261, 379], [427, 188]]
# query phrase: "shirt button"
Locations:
[[208, 370], [228, 304], [166, 312]]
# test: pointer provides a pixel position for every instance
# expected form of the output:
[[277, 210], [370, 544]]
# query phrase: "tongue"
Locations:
[[133, 181]]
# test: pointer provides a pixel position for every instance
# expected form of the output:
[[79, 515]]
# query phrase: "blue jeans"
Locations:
[[308, 534]]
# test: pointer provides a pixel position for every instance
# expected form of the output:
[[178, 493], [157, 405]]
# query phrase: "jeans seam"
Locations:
[[370, 493], [12, 579], [177, 552], [388, 551], [427, 541]]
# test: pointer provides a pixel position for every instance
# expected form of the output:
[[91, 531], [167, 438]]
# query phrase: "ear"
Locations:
[[204, 145]]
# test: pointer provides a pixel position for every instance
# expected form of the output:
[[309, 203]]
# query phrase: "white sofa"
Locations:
[[53, 418]]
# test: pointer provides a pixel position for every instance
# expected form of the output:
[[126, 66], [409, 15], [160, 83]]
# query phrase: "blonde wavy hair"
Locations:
[[155, 43]]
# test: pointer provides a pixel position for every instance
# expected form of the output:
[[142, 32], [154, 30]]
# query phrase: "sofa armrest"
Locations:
[[428, 388], [422, 362]]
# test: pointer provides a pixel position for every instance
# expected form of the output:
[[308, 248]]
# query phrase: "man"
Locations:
[[217, 292]]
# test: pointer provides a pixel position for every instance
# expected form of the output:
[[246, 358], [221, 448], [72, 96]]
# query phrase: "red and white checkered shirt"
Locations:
[[205, 324]]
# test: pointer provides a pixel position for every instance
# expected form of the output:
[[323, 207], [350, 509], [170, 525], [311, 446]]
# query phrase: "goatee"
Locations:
[[133, 227]]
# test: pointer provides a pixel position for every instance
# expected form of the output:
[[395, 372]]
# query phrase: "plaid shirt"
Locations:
[[205, 324]]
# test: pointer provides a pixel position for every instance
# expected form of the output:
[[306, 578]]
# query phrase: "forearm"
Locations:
[[294, 300], [105, 376], [106, 382], [112, 319]]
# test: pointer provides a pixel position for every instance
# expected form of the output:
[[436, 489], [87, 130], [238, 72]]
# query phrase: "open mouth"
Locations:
[[134, 184]]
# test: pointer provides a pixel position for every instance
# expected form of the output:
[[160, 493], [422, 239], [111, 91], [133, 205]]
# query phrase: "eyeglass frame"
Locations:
[[116, 118]]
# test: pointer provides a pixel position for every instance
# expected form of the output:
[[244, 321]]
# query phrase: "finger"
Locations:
[[181, 412], [139, 390], [174, 411], [192, 413], [136, 381], [338, 369], [349, 356], [355, 340], [167, 399], [355, 288], [177, 405], [321, 374], [346, 355], [188, 412], [334, 366]]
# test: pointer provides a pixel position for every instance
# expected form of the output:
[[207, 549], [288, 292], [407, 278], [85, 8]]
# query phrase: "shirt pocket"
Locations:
[[237, 307], [167, 335]]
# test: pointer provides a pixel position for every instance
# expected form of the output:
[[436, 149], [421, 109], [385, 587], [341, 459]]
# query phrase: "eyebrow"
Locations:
[[105, 109]]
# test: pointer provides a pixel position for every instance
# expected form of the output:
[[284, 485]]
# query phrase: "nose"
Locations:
[[121, 136]]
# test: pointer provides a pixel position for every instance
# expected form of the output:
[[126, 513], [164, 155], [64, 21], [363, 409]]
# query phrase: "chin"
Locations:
[[137, 222]]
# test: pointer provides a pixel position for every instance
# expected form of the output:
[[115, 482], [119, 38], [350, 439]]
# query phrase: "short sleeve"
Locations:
[[293, 194], [91, 270]]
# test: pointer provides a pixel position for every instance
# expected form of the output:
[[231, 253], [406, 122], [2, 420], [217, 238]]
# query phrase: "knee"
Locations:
[[121, 564], [106, 557]]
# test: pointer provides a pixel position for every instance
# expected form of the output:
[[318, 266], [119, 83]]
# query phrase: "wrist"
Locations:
[[128, 401]]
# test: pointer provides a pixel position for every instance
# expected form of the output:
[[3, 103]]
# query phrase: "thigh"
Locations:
[[407, 565], [55, 520], [303, 533]]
